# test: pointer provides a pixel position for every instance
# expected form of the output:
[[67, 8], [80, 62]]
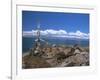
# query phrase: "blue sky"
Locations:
[[69, 22], [51, 20]]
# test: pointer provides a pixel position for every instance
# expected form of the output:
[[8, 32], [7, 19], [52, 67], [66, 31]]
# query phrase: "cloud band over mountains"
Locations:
[[57, 33]]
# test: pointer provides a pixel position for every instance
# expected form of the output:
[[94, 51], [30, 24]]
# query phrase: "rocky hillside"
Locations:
[[57, 56]]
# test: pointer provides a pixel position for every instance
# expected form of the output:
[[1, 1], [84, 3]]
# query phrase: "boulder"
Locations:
[[75, 60]]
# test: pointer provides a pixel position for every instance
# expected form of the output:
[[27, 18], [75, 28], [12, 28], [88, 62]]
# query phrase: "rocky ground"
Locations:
[[57, 56]]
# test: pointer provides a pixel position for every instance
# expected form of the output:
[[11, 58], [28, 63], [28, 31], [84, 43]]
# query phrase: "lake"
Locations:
[[28, 42]]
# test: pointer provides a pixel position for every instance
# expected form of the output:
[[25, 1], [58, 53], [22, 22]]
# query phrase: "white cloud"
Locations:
[[58, 33], [27, 33], [79, 34], [50, 32]]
